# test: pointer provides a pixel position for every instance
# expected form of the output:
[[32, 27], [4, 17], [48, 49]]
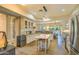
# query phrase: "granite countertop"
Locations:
[[42, 36], [9, 47]]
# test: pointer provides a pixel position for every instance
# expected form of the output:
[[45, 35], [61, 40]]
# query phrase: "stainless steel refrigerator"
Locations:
[[74, 38]]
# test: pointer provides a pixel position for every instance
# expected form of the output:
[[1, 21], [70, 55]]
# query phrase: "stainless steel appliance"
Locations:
[[74, 35]]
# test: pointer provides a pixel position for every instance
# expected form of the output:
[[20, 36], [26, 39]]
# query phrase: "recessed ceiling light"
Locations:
[[62, 10]]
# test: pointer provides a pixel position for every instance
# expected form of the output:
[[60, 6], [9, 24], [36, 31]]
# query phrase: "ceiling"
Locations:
[[53, 10]]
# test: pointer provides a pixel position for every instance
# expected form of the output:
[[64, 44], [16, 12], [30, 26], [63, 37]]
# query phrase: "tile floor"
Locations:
[[31, 49]]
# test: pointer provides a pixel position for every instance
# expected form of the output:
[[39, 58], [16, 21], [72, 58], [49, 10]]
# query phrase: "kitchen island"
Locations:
[[43, 42]]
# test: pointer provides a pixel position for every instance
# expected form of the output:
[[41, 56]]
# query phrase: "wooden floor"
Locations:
[[31, 49]]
